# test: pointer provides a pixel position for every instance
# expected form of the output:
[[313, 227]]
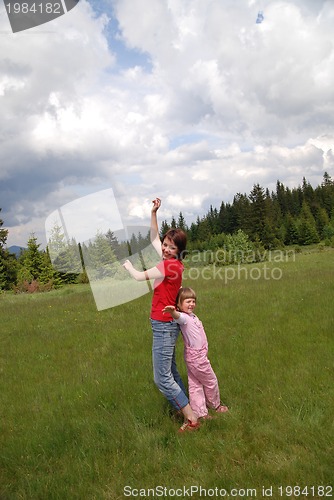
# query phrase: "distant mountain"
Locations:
[[16, 250]]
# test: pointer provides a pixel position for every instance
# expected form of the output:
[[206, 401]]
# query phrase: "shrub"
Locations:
[[33, 286]]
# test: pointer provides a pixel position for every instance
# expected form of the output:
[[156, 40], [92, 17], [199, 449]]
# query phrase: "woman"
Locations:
[[168, 278]]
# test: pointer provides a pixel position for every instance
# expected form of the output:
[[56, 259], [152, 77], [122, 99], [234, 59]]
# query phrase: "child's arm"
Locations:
[[154, 232], [150, 274], [172, 311]]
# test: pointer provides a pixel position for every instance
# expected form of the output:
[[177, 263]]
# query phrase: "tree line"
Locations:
[[270, 220], [298, 216]]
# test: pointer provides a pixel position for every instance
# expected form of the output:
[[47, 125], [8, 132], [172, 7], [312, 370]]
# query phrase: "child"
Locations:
[[168, 277], [203, 383]]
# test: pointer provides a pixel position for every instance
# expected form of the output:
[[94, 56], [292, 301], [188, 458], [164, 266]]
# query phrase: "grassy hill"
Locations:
[[82, 419]]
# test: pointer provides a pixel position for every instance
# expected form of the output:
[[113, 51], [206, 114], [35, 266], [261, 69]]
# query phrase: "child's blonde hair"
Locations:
[[183, 294]]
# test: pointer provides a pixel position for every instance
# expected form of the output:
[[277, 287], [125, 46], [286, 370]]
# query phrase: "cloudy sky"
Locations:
[[189, 100]]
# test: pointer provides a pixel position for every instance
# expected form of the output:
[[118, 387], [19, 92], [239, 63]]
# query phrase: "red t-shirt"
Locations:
[[166, 288]]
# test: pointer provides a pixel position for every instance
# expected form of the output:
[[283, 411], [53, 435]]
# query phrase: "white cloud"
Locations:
[[226, 103]]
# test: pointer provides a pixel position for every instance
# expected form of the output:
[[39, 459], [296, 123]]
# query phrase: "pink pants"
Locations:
[[202, 381]]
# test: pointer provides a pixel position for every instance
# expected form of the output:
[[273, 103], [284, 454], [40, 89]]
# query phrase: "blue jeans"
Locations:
[[166, 376]]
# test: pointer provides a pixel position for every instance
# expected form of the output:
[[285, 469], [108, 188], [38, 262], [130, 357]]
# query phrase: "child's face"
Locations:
[[188, 305], [169, 249]]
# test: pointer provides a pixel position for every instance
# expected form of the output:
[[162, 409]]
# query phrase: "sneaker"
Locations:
[[189, 426]]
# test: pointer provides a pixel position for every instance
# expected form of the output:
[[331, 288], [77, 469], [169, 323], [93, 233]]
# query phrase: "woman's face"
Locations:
[[169, 249]]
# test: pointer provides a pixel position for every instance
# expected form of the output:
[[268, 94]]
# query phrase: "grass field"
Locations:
[[82, 419]]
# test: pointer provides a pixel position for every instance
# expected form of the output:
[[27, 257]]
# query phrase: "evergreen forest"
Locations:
[[261, 220]]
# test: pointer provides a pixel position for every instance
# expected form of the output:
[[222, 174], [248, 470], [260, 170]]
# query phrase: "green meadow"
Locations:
[[82, 419]]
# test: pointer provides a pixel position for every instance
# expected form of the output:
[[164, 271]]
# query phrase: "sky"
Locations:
[[188, 100]]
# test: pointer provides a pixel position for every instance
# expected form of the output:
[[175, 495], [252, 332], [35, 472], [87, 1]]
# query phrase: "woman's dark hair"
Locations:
[[179, 238]]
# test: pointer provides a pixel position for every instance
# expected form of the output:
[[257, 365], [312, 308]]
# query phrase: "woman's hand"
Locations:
[[127, 265], [156, 205]]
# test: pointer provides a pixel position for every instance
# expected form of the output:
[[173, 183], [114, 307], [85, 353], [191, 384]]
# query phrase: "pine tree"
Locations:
[[327, 180], [99, 257], [3, 280], [296, 201], [181, 223], [3, 235], [327, 193], [133, 243], [322, 220], [68, 262], [193, 232], [257, 216], [227, 218], [164, 228], [57, 242], [307, 231], [65, 257], [48, 275], [114, 243], [291, 231], [241, 213], [4, 256], [8, 270], [203, 232], [213, 220], [282, 198], [31, 265], [31, 259]]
